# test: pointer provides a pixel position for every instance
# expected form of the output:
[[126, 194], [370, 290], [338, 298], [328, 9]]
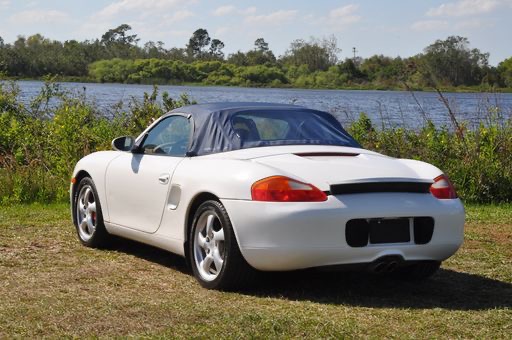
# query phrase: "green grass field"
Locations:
[[52, 286]]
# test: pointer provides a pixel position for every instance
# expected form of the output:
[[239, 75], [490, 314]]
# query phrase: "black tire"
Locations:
[[235, 272], [419, 271], [93, 234]]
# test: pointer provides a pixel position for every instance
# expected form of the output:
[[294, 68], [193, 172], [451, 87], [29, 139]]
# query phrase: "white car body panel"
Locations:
[[312, 234], [137, 187], [271, 235], [95, 165], [325, 170]]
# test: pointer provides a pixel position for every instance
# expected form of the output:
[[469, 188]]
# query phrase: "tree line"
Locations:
[[314, 63]]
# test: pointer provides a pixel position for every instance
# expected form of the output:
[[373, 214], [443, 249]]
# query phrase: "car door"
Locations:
[[137, 183]]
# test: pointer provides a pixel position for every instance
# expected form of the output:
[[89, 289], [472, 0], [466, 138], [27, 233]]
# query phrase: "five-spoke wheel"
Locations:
[[214, 253], [88, 218], [86, 213], [209, 245]]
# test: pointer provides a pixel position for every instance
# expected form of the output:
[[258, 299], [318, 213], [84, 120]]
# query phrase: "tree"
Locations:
[[317, 54], [452, 62], [76, 57], [330, 45], [350, 70], [119, 35], [177, 53], [154, 50], [261, 45], [260, 58], [239, 59], [118, 43], [216, 47], [197, 43], [505, 72], [384, 69]]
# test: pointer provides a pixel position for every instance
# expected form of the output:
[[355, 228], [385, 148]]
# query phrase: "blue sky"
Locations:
[[389, 27]]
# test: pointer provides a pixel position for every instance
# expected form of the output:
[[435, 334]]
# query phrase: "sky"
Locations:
[[390, 27]]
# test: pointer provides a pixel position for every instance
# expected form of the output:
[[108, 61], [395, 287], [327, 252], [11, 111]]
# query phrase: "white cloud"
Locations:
[[247, 11], [150, 20], [224, 10], [341, 17], [38, 17], [342, 12], [474, 23], [4, 4], [178, 16], [140, 6], [430, 25], [31, 4], [221, 31], [179, 33], [161, 31], [229, 9], [276, 17], [464, 8]]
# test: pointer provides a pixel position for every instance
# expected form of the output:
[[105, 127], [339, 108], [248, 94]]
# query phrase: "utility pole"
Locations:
[[354, 51]]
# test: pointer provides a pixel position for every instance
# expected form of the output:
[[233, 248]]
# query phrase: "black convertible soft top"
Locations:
[[221, 127]]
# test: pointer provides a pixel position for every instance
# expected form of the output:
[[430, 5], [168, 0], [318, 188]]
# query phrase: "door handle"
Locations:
[[164, 179]]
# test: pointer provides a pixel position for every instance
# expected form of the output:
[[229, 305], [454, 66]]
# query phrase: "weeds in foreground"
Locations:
[[41, 141]]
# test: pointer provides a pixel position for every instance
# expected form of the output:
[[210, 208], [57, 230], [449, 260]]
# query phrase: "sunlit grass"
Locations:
[[50, 285]]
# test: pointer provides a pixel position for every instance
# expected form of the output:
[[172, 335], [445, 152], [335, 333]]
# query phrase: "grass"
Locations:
[[52, 286]]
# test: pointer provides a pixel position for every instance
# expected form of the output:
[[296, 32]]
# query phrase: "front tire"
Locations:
[[215, 257], [88, 215]]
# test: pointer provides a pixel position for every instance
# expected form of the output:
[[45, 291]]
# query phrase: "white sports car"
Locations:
[[235, 187]]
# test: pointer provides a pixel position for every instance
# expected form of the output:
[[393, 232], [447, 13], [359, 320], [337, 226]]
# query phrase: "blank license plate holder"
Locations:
[[390, 230]]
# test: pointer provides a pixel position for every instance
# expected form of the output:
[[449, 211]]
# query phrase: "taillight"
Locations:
[[284, 189], [442, 188]]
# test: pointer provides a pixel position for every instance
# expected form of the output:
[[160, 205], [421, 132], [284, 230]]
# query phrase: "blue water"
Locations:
[[385, 108]]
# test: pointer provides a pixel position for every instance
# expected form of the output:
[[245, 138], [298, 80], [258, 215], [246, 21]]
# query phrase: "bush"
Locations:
[[478, 162], [40, 143]]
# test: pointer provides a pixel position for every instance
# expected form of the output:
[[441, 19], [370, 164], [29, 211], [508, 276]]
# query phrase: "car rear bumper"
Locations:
[[288, 236]]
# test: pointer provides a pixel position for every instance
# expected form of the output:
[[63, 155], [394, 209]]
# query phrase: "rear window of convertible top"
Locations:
[[286, 126]]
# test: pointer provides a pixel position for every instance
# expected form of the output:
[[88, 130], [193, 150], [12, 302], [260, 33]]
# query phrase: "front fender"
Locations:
[[95, 165]]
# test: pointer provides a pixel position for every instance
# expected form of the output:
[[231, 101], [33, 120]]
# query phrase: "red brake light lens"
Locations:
[[284, 189], [442, 188]]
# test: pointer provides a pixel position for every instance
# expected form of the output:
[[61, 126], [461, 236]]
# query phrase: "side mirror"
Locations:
[[124, 143]]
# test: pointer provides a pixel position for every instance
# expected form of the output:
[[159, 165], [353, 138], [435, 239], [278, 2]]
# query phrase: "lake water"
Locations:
[[385, 108]]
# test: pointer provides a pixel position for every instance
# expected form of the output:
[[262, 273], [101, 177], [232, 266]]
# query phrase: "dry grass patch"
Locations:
[[50, 285]]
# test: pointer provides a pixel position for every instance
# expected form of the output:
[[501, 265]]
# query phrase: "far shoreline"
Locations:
[[85, 80]]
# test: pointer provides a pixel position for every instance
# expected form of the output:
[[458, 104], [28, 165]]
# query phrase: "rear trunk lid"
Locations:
[[325, 169]]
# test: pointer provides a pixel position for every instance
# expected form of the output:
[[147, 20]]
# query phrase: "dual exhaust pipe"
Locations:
[[384, 265]]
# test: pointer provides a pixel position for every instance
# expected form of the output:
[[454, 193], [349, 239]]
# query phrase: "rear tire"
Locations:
[[419, 271], [215, 257], [88, 215]]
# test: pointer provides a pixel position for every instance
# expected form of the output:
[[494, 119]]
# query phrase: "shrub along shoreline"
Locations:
[[40, 143], [311, 86]]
